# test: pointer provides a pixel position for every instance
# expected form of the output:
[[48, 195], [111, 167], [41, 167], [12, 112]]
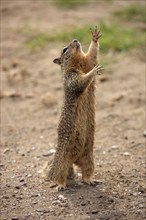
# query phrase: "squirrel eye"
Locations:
[[65, 49]]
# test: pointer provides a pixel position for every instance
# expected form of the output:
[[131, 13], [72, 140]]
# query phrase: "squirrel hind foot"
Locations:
[[91, 182], [61, 187]]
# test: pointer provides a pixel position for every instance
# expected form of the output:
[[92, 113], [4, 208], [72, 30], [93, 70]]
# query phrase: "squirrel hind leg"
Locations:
[[87, 168], [71, 173], [62, 176]]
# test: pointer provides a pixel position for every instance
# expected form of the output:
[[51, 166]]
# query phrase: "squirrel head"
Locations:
[[70, 56]]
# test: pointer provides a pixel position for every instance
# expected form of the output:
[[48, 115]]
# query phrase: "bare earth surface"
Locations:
[[31, 99]]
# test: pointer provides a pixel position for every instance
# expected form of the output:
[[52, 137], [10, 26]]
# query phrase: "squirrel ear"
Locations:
[[57, 61]]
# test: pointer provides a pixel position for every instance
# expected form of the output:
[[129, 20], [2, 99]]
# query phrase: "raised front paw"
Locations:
[[98, 70], [96, 34]]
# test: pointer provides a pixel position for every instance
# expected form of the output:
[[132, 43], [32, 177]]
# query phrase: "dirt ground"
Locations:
[[31, 100]]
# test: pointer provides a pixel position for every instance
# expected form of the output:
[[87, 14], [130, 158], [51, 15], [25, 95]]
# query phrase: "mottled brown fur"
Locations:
[[77, 123]]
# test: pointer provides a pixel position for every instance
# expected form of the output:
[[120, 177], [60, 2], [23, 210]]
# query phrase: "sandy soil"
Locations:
[[31, 99]]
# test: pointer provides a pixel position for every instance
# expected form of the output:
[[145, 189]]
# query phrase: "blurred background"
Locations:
[[40, 25], [36, 30], [33, 33]]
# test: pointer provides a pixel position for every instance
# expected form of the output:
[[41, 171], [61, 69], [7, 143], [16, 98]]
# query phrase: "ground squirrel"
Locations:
[[77, 123]]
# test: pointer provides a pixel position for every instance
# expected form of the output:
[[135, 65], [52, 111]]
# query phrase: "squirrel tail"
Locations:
[[52, 169]]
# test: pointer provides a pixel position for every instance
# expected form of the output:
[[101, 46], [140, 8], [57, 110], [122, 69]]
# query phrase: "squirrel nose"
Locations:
[[75, 41]]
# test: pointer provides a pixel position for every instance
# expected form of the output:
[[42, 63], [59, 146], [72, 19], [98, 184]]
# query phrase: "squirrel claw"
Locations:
[[91, 182], [95, 34], [61, 187], [98, 69], [88, 182]]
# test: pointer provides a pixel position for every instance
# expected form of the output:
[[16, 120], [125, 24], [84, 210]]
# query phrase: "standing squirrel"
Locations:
[[77, 122]]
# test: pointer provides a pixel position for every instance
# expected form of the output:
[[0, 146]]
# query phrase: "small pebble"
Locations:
[[126, 154], [56, 202], [49, 152], [144, 133], [114, 147], [24, 184], [14, 218], [20, 197], [36, 195], [83, 204], [100, 196], [6, 150], [111, 200], [34, 202], [94, 211], [61, 198], [42, 211], [39, 210], [46, 211], [141, 189], [29, 175], [141, 206], [138, 211]]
